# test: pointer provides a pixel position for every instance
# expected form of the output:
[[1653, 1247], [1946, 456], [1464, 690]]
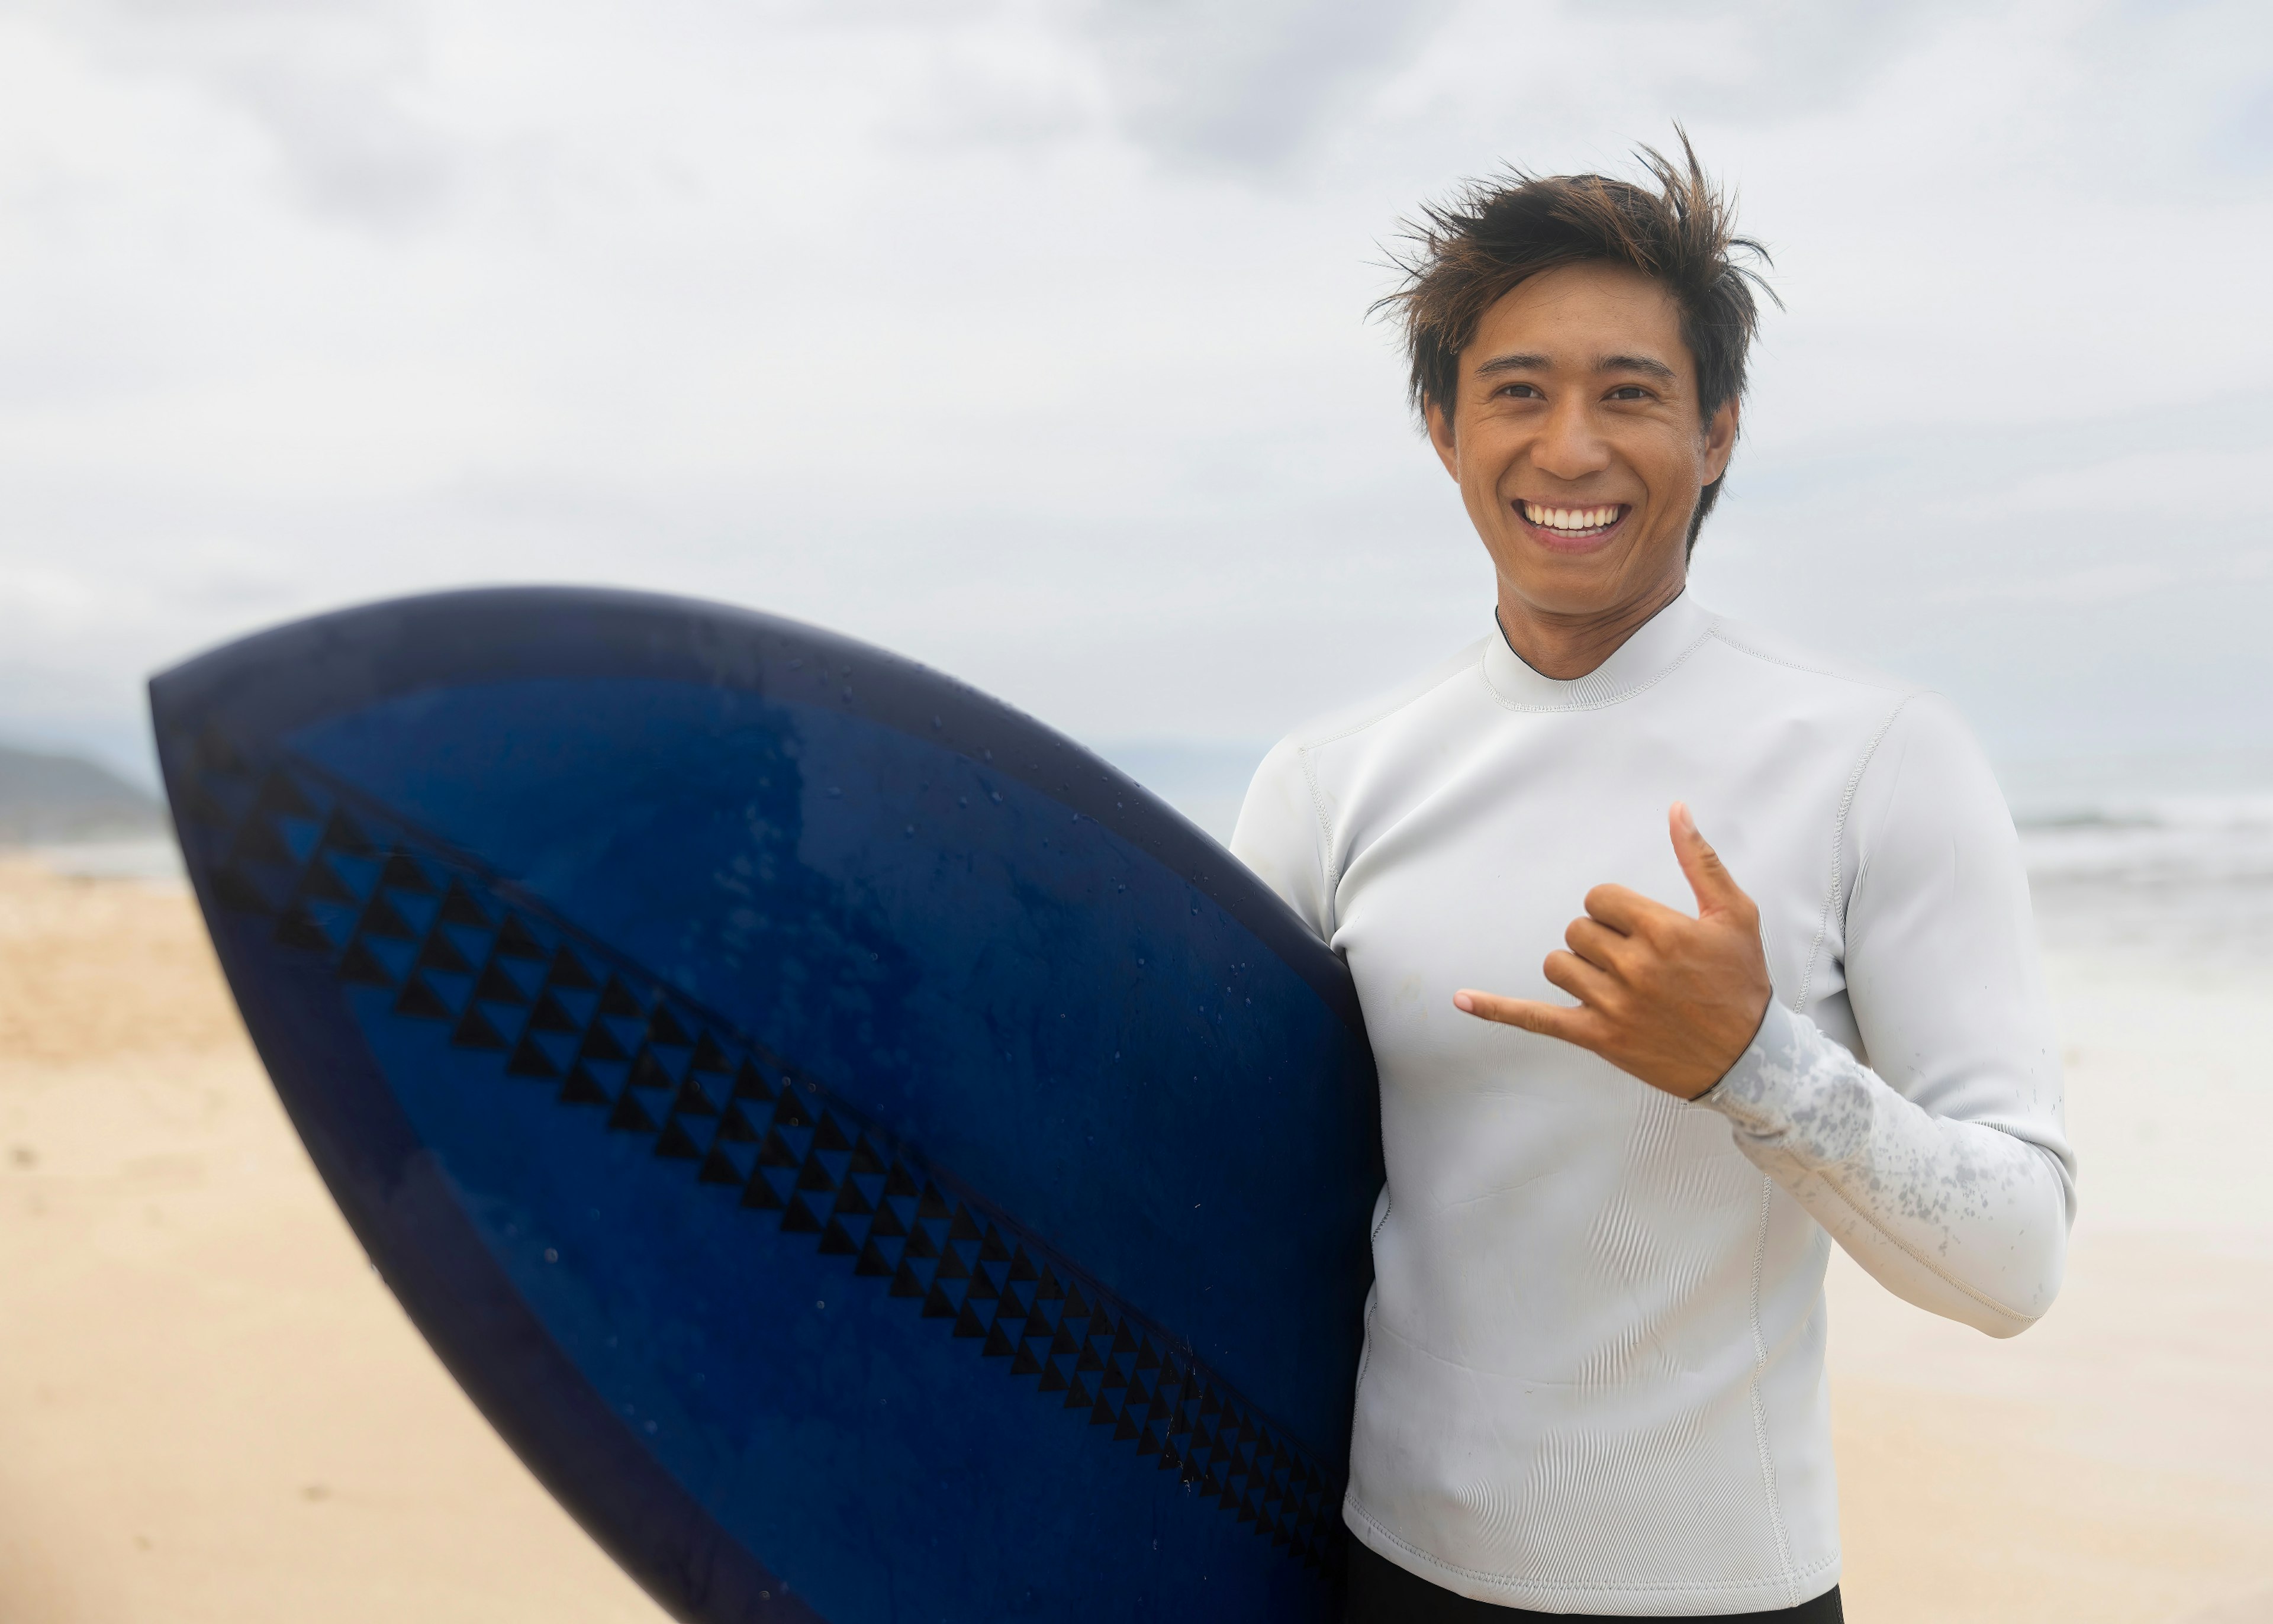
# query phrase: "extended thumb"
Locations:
[[1708, 876]]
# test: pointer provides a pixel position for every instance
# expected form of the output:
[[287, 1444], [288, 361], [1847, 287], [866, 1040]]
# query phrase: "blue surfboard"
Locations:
[[873, 1160]]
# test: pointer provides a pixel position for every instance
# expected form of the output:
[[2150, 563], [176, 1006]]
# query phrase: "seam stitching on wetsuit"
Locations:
[[1331, 875], [1759, 1409], [1541, 1587], [1718, 632], [1380, 716], [1839, 847]]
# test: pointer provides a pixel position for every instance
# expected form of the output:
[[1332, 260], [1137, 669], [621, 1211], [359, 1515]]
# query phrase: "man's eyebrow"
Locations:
[[1520, 361], [1530, 361], [1646, 365]]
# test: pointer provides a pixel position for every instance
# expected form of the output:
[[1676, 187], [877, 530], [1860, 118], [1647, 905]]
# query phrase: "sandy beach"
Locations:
[[210, 1409]]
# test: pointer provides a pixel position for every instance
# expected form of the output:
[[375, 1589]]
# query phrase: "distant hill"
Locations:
[[46, 797]]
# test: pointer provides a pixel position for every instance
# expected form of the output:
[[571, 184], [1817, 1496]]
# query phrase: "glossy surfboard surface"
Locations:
[[871, 1159]]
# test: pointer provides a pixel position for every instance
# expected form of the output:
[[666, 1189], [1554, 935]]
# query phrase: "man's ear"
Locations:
[[1719, 441], [1440, 436]]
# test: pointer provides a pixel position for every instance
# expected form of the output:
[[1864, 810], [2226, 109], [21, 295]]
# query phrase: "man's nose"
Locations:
[[1568, 447]]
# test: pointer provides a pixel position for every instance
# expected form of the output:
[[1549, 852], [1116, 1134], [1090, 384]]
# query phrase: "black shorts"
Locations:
[[1381, 1592]]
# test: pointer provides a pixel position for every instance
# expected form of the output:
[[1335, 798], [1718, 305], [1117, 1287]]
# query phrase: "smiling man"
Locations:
[[1620, 1146]]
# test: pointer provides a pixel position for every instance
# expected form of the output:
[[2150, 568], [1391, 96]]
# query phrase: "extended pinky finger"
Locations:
[[1549, 1019]]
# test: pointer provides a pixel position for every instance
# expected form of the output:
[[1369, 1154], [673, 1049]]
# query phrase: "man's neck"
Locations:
[[1567, 646]]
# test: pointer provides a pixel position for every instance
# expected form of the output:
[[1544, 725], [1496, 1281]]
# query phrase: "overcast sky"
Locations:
[[1030, 339]]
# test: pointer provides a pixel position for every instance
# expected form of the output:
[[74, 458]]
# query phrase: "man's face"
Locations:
[[1576, 440]]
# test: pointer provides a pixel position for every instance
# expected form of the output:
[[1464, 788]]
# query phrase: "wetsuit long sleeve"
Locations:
[[1944, 1172]]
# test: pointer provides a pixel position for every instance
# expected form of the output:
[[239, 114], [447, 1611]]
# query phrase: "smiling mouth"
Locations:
[[1576, 524]]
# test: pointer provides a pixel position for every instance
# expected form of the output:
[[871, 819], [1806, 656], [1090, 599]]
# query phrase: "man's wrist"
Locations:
[[1743, 1093]]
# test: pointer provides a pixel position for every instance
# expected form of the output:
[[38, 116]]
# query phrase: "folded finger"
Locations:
[[1596, 943], [1620, 908], [1628, 911], [1578, 978]]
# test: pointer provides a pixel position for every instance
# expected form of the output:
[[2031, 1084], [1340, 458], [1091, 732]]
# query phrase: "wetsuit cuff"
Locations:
[[1756, 1092]]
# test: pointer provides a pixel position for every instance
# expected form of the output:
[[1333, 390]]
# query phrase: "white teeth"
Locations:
[[1570, 518]]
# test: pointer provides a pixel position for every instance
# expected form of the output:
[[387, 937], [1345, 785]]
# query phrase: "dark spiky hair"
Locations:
[[1463, 256]]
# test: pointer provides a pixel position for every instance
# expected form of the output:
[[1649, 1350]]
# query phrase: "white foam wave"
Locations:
[[2173, 877], [2162, 841]]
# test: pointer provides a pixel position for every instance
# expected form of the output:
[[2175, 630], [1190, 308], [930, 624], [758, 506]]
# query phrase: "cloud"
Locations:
[[1248, 87], [2124, 581], [1748, 62], [330, 84], [1030, 338], [2190, 486]]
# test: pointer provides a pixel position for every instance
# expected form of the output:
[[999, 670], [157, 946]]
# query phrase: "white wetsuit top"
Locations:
[[1594, 1372]]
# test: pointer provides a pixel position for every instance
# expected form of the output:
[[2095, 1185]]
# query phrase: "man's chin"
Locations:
[[1584, 574]]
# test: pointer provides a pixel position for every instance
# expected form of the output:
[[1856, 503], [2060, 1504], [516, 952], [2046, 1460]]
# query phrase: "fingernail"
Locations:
[[1464, 1004]]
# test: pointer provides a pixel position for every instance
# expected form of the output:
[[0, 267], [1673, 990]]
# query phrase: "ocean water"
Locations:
[[2181, 876]]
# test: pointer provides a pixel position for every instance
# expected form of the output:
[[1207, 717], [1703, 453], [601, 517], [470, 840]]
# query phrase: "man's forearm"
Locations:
[[1960, 1217]]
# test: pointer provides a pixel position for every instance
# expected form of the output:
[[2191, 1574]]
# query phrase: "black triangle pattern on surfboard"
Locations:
[[431, 935]]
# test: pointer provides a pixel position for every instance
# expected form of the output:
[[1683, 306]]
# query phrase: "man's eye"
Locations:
[[1630, 391], [1521, 391]]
